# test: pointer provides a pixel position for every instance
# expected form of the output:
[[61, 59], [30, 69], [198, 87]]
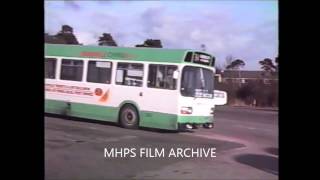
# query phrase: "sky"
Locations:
[[243, 29]]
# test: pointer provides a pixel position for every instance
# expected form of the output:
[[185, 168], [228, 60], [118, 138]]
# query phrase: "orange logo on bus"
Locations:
[[105, 97], [98, 92]]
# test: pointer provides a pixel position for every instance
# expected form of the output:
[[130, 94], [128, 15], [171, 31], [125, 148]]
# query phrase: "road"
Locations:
[[246, 143]]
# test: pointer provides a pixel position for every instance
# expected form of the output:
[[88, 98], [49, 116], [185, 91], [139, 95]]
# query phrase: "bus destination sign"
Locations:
[[201, 59]]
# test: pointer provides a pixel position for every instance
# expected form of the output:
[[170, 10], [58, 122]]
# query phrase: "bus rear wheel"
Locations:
[[129, 117]]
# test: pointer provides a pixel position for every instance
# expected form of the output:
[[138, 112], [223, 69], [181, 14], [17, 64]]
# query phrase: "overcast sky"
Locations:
[[247, 30]]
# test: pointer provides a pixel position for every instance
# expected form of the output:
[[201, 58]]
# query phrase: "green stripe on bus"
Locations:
[[82, 110], [123, 53], [158, 120], [147, 118], [55, 107]]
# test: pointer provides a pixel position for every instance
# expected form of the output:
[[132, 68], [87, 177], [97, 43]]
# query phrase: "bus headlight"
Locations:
[[186, 110], [212, 110]]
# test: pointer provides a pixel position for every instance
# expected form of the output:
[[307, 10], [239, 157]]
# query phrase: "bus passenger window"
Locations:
[[99, 72], [161, 76], [50, 68], [129, 74], [71, 70]]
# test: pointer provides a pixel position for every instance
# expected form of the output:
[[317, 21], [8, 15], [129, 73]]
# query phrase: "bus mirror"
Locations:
[[175, 74]]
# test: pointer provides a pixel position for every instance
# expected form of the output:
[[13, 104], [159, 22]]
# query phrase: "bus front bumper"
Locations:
[[194, 122], [184, 126]]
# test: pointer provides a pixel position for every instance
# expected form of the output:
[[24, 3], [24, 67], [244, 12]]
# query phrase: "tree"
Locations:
[[246, 93], [53, 39], [66, 35], [151, 43], [268, 66], [236, 64], [228, 61], [106, 40]]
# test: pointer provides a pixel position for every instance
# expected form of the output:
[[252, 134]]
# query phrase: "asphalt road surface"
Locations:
[[246, 143]]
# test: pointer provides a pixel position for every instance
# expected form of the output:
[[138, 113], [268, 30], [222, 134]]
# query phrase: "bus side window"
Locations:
[[119, 77], [129, 74], [50, 68], [99, 72], [170, 80], [152, 76], [71, 70], [161, 76], [160, 83]]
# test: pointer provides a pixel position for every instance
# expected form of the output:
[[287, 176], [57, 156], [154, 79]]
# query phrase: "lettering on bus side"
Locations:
[[93, 54], [68, 89]]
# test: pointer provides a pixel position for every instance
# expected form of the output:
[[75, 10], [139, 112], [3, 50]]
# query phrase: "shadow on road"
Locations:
[[112, 123], [165, 131], [263, 162], [272, 150]]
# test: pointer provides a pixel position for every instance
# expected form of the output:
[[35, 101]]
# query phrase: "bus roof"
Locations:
[[123, 53], [118, 53]]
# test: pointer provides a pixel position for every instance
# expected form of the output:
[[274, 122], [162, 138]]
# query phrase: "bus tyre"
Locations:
[[129, 117]]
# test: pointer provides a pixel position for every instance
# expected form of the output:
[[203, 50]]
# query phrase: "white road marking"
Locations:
[[220, 137], [246, 127]]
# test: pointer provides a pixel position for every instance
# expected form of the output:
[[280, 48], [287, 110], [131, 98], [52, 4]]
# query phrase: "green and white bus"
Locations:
[[135, 87]]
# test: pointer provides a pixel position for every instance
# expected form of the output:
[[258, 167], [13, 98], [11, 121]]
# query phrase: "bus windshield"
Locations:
[[197, 82]]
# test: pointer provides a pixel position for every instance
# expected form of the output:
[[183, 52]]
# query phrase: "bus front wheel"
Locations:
[[129, 117]]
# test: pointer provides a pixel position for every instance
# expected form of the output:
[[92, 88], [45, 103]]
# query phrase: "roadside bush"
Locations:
[[246, 93], [255, 93]]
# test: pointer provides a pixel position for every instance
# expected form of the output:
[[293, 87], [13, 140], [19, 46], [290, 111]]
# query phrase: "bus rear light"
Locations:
[[186, 110]]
